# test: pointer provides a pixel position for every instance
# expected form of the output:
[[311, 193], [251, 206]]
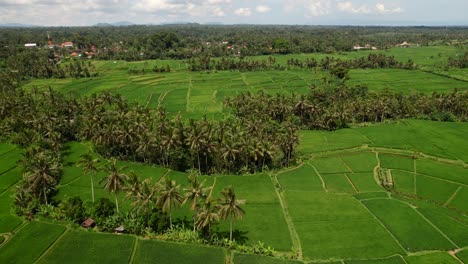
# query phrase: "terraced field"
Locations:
[[330, 209], [198, 93]]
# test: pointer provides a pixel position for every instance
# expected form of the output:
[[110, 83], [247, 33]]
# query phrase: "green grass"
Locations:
[[338, 183], [320, 206], [411, 230], [438, 257], [404, 80], [442, 139], [434, 189], [8, 221], [361, 162], [9, 178], [164, 252], [463, 255], [9, 160], [459, 201], [404, 181], [318, 141], [303, 178], [262, 222], [345, 239], [454, 229], [240, 258], [330, 165], [396, 162], [364, 182], [5, 147], [264, 191], [87, 247], [443, 171], [371, 195], [28, 244], [390, 260]]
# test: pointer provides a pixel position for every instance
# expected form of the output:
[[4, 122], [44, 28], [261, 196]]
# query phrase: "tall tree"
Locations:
[[194, 193], [89, 166], [169, 197], [230, 207], [115, 180], [41, 173]]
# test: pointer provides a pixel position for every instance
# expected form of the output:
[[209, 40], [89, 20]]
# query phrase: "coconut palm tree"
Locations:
[[207, 214], [230, 207], [194, 193], [169, 197], [89, 166], [115, 180], [41, 173]]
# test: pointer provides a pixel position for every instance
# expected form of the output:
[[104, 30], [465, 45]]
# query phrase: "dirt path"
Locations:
[[453, 196], [324, 186], [287, 217]]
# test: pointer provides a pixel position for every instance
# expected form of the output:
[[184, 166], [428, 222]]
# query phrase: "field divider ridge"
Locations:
[[382, 224], [51, 246], [324, 186], [429, 222], [453, 196], [134, 248], [295, 240]]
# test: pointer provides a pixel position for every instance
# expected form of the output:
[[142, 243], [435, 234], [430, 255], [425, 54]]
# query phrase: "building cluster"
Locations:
[[366, 47]]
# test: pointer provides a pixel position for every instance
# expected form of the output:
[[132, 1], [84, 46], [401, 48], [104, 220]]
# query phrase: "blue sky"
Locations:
[[304, 12]]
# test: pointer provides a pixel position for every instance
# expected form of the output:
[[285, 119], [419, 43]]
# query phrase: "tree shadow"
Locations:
[[238, 235]]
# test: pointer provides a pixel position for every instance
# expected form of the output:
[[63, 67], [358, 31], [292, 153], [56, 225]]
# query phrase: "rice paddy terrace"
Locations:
[[387, 193]]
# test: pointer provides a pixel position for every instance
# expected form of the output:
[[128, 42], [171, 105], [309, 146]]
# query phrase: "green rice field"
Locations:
[[330, 207]]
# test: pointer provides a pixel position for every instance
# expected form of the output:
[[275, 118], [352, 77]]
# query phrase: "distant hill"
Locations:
[[115, 24], [16, 25]]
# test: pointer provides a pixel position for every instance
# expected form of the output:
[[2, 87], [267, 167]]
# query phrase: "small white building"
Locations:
[[30, 45]]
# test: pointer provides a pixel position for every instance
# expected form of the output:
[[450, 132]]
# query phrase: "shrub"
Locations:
[[73, 210]]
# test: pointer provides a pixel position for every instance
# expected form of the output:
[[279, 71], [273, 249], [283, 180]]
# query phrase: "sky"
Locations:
[[293, 12]]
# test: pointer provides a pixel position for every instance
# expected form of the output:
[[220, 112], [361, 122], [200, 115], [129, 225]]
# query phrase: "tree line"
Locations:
[[459, 62], [41, 64], [184, 41], [338, 107]]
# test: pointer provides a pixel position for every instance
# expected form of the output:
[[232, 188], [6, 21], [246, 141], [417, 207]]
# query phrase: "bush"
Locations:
[[102, 209], [72, 208]]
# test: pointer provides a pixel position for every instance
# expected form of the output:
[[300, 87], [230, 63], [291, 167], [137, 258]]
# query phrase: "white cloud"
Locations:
[[349, 7], [159, 5], [318, 7], [263, 9], [244, 11], [380, 8]]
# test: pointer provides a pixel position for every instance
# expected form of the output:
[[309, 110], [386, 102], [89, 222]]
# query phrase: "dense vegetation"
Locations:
[[338, 107], [184, 41], [392, 192]]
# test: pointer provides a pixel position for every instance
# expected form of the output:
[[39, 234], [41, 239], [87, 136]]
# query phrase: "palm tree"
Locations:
[[89, 166], [207, 214], [41, 173], [170, 197], [194, 193], [230, 207], [115, 180]]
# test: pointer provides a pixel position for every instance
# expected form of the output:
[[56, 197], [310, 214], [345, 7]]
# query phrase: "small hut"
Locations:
[[404, 45], [88, 223], [120, 230]]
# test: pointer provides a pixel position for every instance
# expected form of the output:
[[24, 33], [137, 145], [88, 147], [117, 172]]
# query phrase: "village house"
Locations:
[[67, 44], [366, 47], [404, 45]]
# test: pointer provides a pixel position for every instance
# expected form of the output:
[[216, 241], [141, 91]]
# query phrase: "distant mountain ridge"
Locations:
[[115, 24], [16, 25]]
